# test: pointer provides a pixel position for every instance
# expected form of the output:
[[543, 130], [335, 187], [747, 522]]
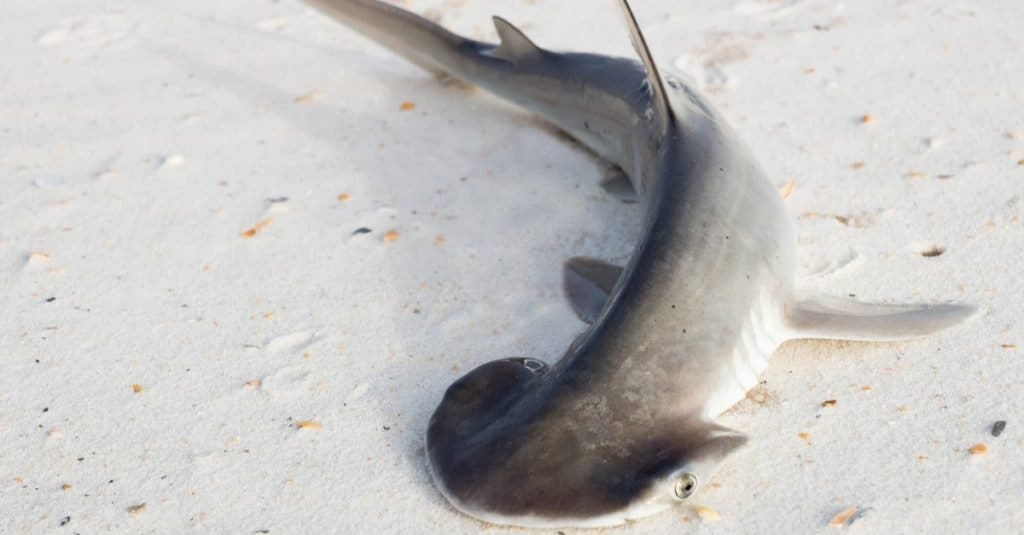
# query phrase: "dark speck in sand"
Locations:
[[998, 427], [50, 299], [361, 230], [64, 521]]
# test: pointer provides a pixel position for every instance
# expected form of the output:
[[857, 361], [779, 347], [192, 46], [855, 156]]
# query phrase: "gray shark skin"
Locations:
[[622, 425]]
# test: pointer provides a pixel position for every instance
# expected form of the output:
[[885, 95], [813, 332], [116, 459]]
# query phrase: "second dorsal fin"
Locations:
[[659, 96], [515, 45]]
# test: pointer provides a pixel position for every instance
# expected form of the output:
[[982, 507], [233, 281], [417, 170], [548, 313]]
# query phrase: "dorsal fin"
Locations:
[[515, 45], [659, 96]]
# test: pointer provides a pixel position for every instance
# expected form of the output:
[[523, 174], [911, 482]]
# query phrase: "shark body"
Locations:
[[623, 424]]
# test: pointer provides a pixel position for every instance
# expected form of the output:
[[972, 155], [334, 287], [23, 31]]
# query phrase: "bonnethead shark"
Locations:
[[623, 424]]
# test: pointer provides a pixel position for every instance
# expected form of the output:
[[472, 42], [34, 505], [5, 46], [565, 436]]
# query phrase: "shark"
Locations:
[[623, 424]]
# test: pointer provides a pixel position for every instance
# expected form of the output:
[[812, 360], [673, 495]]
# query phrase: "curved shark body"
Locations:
[[622, 425]]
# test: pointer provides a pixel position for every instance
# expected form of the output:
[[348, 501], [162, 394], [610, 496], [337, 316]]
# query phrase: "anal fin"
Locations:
[[843, 319]]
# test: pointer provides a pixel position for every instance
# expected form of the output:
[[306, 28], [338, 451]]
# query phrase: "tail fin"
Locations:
[[841, 319], [662, 115], [420, 41]]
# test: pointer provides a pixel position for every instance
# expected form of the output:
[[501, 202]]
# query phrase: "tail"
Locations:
[[415, 38], [841, 319]]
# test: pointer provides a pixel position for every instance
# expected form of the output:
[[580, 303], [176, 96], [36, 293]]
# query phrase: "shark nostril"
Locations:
[[685, 486]]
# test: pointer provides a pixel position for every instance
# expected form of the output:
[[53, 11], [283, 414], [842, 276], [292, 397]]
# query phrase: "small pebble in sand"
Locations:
[[307, 98], [978, 450], [256, 229], [65, 487], [253, 384], [829, 403], [932, 251], [857, 166], [390, 236], [174, 160], [707, 514], [1009, 346], [788, 189], [866, 388], [439, 240], [344, 197], [137, 509], [37, 256], [308, 425], [1014, 135], [844, 517], [1020, 162], [998, 427], [867, 119], [916, 175], [804, 436], [137, 388], [408, 106], [361, 230]]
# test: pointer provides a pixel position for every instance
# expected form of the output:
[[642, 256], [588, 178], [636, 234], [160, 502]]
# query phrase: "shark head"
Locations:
[[506, 447], [693, 465]]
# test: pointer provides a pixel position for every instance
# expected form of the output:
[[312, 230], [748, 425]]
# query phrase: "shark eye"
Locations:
[[685, 486], [533, 365]]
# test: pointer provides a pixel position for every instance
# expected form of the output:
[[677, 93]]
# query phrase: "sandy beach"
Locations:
[[244, 251]]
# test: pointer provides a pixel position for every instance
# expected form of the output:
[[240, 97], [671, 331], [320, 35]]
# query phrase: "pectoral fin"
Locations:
[[842, 319], [587, 283]]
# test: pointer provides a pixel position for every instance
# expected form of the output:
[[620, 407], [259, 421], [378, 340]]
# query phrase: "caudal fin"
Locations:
[[415, 38], [842, 319]]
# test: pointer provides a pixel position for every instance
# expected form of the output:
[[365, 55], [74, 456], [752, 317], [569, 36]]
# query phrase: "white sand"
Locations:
[[138, 142]]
